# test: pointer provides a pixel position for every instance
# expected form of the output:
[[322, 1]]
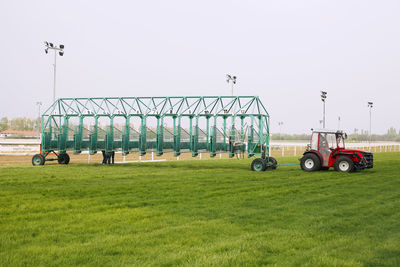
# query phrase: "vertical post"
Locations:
[[324, 116], [241, 129], [370, 105], [55, 63], [225, 144], [142, 137], [323, 98], [260, 134], [294, 150], [208, 134], [250, 138]]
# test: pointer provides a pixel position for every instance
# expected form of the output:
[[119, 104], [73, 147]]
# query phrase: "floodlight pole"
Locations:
[[55, 68], [280, 129], [40, 118], [370, 105], [323, 98], [56, 49]]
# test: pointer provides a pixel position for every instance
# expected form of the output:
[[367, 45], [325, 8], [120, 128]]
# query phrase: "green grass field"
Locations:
[[199, 212]]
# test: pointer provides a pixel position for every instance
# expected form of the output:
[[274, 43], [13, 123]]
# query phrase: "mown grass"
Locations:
[[201, 212]]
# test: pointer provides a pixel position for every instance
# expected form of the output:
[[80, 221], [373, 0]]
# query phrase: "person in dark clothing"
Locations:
[[110, 157], [104, 157]]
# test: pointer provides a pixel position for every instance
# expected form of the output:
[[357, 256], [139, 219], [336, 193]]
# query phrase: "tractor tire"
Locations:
[[38, 159], [258, 165], [271, 163], [343, 164], [310, 162], [63, 158]]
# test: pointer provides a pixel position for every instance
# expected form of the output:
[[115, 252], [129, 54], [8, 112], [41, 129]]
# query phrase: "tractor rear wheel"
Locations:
[[258, 165], [63, 158], [343, 164], [37, 160], [310, 162]]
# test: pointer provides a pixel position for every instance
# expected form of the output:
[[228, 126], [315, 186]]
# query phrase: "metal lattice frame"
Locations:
[[56, 133]]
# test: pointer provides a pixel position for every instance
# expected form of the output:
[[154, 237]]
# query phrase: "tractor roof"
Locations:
[[327, 131]]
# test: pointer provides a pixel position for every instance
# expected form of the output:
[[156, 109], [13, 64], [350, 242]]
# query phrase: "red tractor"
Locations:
[[327, 150]]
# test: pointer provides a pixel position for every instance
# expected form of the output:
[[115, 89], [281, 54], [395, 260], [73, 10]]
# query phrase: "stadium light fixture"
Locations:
[[231, 79]]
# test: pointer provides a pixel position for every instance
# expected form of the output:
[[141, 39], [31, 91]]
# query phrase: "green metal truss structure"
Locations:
[[195, 123]]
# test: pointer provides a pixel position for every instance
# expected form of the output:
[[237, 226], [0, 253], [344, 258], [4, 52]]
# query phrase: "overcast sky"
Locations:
[[283, 51]]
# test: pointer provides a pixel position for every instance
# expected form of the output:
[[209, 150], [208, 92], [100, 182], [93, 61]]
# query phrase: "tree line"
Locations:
[[19, 124], [357, 136]]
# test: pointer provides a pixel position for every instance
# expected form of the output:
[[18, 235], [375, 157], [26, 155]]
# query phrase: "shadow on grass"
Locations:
[[206, 165]]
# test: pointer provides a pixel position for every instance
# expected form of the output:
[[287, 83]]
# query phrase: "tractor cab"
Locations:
[[325, 142], [327, 149]]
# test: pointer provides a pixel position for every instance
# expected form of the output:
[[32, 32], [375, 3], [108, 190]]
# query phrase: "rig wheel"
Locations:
[[344, 164], [63, 158], [310, 162], [272, 163], [38, 159], [258, 165]]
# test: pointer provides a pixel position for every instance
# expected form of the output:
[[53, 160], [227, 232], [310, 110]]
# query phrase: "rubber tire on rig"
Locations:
[[63, 158], [343, 164], [258, 165], [38, 159], [273, 162], [310, 162]]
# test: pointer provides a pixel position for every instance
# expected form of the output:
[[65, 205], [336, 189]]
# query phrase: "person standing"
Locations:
[[104, 157]]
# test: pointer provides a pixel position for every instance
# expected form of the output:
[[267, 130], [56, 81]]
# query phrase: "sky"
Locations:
[[285, 52]]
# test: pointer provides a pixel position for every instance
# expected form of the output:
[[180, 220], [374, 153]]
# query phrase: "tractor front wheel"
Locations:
[[258, 165], [37, 160], [310, 162], [63, 158], [344, 164]]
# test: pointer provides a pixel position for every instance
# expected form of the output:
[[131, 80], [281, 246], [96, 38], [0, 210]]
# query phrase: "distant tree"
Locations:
[[22, 124], [36, 124], [392, 131], [3, 124]]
